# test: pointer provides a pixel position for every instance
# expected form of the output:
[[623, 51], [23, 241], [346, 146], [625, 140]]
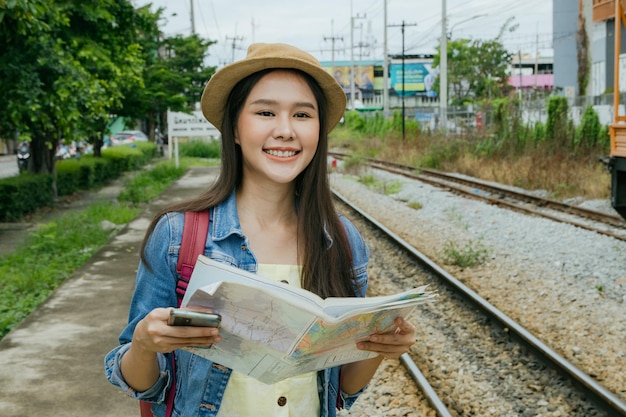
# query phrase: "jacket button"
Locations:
[[282, 401]]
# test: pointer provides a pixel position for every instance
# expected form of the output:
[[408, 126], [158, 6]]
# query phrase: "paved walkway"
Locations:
[[52, 364]]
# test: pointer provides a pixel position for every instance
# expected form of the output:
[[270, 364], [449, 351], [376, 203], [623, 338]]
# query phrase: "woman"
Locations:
[[271, 212]]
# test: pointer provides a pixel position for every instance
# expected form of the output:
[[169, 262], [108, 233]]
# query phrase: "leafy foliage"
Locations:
[[68, 65], [559, 128], [477, 70]]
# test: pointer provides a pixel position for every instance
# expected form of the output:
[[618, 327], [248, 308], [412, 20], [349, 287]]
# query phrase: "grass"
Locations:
[[56, 249], [383, 187], [148, 185], [468, 255], [50, 255], [562, 173]]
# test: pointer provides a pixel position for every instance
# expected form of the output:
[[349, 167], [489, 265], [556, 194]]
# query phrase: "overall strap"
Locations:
[[195, 232]]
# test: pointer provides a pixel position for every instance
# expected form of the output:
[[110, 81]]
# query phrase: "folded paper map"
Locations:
[[272, 331]]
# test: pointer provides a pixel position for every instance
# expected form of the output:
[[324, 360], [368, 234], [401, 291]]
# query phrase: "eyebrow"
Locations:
[[274, 102]]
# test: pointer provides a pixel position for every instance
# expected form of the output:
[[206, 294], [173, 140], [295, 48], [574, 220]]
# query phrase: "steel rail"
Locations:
[[603, 397], [495, 195]]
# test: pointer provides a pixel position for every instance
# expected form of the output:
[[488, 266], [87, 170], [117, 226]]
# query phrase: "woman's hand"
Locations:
[[393, 344], [153, 334]]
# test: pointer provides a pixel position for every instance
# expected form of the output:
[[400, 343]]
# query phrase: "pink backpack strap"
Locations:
[[195, 232]]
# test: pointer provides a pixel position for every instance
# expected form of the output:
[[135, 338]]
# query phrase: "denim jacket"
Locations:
[[200, 383]]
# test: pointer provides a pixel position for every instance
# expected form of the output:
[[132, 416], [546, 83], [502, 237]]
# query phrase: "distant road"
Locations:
[[8, 166]]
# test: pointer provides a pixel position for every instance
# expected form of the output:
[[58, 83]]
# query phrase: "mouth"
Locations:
[[281, 154]]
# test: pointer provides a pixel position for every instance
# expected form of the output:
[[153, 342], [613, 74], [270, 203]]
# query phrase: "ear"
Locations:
[[236, 137]]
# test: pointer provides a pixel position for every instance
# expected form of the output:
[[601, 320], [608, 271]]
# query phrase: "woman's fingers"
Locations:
[[153, 333], [391, 344]]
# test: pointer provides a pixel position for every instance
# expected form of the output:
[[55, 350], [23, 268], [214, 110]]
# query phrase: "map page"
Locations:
[[272, 331]]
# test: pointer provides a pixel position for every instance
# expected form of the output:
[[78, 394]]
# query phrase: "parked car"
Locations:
[[129, 136]]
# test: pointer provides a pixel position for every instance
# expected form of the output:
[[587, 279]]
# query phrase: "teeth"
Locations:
[[282, 154]]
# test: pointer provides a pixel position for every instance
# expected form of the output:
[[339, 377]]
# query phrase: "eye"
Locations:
[[265, 113], [301, 115]]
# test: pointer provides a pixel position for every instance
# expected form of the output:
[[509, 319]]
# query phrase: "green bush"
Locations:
[[558, 126], [354, 121], [201, 149], [588, 132], [24, 194], [129, 157], [68, 177]]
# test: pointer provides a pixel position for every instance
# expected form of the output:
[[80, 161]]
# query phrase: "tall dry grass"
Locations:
[[561, 173]]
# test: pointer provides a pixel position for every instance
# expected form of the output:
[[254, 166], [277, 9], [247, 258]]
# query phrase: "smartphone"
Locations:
[[179, 317]]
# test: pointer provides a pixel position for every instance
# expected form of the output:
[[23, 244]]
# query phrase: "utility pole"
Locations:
[[332, 38], [352, 86], [443, 71], [235, 39], [193, 20], [519, 57], [385, 66], [403, 25]]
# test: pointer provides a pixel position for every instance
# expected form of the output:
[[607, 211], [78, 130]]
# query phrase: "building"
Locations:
[[573, 22], [531, 72], [411, 78], [564, 32]]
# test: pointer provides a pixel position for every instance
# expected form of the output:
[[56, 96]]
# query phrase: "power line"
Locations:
[[332, 38], [234, 46]]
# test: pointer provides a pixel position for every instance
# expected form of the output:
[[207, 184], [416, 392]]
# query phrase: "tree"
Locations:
[[477, 69], [107, 38], [63, 74], [175, 76], [67, 65]]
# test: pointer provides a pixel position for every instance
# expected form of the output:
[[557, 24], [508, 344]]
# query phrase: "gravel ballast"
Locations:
[[564, 284]]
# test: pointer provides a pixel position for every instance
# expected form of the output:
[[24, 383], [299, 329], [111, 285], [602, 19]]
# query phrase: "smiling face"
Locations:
[[278, 128]]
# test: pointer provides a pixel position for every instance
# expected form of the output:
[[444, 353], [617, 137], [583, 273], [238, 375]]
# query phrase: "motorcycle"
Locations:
[[23, 155]]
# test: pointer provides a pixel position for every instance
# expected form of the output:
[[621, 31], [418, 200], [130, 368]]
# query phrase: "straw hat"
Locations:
[[264, 56]]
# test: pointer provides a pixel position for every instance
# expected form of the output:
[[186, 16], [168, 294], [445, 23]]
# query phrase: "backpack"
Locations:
[[195, 230]]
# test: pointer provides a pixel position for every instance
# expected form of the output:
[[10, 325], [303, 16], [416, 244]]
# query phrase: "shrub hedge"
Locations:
[[26, 193]]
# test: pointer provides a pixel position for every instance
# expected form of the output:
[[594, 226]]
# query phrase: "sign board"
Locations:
[[183, 125], [418, 78]]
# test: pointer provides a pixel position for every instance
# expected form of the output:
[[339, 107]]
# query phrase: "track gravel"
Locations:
[[564, 284]]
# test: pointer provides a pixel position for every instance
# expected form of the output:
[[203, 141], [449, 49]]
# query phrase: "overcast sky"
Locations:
[[312, 25]]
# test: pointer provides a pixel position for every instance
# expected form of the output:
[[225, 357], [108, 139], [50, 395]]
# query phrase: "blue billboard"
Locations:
[[418, 78]]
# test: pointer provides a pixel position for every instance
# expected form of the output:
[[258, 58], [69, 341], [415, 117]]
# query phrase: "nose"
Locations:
[[284, 128]]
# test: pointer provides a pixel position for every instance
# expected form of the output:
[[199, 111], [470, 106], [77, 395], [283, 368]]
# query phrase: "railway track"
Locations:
[[599, 222], [498, 367]]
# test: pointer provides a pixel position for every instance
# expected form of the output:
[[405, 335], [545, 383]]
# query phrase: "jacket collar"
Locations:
[[225, 220]]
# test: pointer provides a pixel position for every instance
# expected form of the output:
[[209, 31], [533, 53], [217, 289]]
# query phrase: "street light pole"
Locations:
[[443, 72], [351, 57], [463, 21], [385, 68]]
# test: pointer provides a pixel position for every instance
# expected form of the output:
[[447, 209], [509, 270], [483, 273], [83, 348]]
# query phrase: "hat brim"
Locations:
[[218, 88]]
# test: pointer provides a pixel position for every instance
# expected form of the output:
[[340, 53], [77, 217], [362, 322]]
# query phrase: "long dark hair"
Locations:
[[327, 270]]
